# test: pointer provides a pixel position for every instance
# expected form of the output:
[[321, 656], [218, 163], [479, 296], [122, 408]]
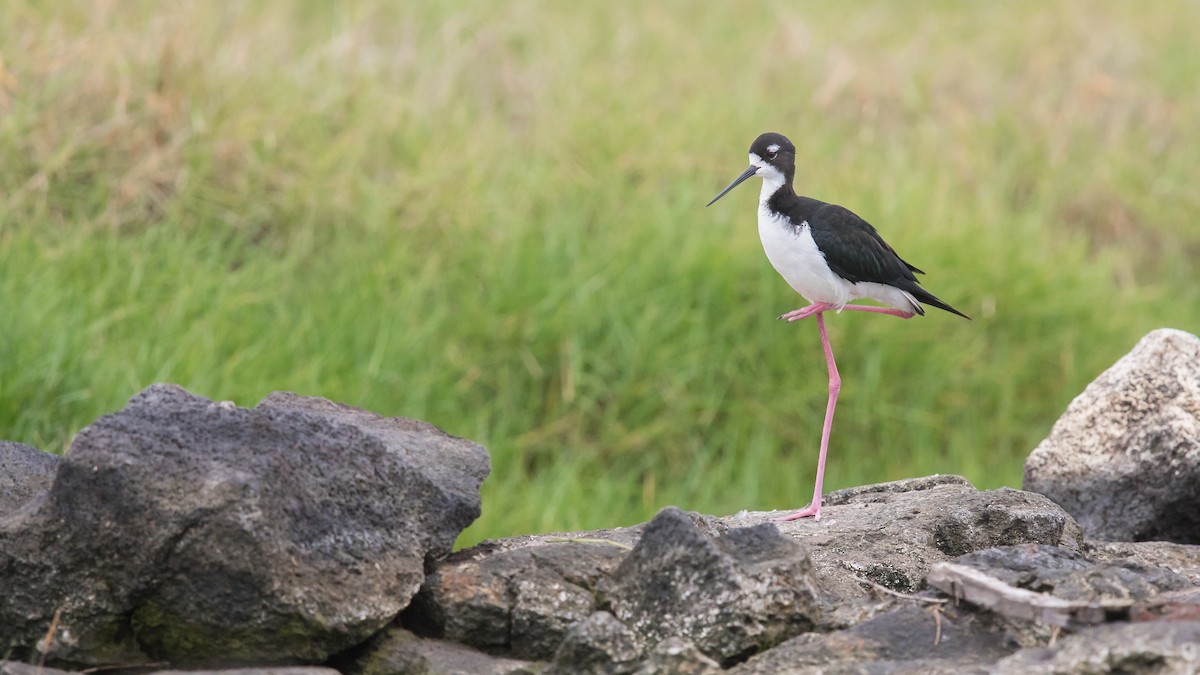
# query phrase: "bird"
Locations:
[[830, 256]]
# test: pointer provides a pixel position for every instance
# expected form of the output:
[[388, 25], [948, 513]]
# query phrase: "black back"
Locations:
[[852, 247]]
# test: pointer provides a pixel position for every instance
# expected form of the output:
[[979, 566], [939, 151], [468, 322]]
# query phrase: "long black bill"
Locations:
[[746, 174]]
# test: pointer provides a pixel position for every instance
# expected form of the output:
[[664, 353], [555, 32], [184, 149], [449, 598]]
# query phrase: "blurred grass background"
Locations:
[[491, 216]]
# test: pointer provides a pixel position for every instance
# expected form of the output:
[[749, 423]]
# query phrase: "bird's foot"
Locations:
[[811, 511], [805, 312]]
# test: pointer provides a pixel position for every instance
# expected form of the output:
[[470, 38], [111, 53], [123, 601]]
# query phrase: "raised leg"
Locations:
[[805, 312], [818, 307], [835, 386]]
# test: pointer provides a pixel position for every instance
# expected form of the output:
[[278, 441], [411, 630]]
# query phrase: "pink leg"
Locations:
[[835, 385], [805, 312], [818, 307]]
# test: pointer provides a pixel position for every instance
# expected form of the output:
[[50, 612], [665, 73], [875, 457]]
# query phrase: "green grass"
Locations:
[[490, 216]]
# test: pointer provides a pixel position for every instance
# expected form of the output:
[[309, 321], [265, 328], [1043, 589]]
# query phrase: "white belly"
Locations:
[[795, 255]]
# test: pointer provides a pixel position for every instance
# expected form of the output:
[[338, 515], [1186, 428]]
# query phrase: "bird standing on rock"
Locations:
[[830, 256]]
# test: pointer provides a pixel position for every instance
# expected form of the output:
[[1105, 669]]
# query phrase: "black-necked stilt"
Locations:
[[830, 256]]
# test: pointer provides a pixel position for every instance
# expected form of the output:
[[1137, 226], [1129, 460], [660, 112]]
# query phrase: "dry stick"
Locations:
[[990, 593], [937, 623], [44, 646]]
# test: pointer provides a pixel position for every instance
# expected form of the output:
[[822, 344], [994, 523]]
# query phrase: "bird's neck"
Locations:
[[775, 187]]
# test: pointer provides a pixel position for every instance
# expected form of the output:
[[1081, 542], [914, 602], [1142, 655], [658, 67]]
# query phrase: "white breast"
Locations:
[[795, 255]]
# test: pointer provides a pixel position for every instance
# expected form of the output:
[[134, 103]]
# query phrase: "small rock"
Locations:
[[676, 656], [398, 652], [916, 639], [25, 472], [518, 597], [599, 644], [1182, 559], [1162, 648], [1124, 458], [733, 595]]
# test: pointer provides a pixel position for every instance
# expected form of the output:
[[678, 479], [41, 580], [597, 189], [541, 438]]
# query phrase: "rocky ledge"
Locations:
[[302, 536]]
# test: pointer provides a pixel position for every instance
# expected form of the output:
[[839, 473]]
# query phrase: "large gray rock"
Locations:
[[1124, 458], [25, 472], [521, 596], [891, 533], [200, 533], [731, 595]]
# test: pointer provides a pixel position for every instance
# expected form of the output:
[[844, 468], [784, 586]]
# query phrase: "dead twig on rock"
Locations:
[[937, 624], [978, 588], [48, 641]]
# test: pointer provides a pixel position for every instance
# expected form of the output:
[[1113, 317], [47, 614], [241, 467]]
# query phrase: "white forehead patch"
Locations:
[[774, 147]]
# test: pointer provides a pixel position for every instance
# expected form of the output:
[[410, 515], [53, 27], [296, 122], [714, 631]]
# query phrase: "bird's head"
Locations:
[[773, 157]]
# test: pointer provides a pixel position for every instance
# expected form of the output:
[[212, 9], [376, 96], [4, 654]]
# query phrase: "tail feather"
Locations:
[[927, 298]]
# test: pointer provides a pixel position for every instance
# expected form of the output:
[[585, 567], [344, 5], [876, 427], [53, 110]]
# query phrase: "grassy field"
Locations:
[[491, 216]]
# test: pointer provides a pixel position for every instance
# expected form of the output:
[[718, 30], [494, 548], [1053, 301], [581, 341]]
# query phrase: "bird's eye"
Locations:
[[772, 155]]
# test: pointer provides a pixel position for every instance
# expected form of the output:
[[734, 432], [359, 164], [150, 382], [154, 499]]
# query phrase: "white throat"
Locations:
[[773, 178]]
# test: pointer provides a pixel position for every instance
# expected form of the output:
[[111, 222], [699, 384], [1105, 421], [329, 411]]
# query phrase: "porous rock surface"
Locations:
[[1158, 648], [731, 587], [731, 595], [396, 650], [25, 473], [201, 533], [1124, 458], [891, 533]]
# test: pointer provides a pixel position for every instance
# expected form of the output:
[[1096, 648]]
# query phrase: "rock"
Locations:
[[398, 652], [1182, 559], [1070, 575], [676, 656], [1162, 648], [1124, 458], [278, 670], [205, 534], [910, 639], [19, 668], [25, 473], [517, 597], [599, 644], [1181, 605], [891, 533], [520, 596], [733, 595]]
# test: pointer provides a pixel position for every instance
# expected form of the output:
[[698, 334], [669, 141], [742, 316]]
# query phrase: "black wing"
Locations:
[[854, 250]]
